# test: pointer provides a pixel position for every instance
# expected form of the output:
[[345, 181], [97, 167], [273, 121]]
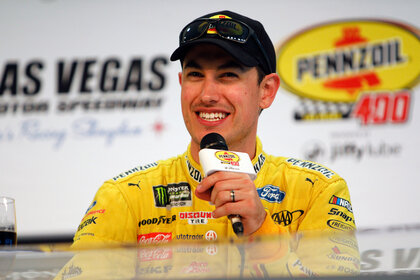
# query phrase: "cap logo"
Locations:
[[212, 29]]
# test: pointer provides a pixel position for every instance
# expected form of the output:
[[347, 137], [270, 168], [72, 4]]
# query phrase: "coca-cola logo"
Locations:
[[154, 238], [153, 254]]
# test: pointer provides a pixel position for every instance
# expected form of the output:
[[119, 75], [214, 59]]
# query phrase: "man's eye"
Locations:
[[194, 74], [229, 75]]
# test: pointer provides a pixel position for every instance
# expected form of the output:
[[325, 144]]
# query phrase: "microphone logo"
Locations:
[[227, 157]]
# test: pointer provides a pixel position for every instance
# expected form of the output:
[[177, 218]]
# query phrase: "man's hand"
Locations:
[[217, 188]]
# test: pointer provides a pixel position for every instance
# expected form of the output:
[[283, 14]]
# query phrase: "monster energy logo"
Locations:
[[161, 196], [173, 195]]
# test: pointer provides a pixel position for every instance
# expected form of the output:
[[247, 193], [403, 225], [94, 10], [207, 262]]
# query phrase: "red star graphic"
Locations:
[[158, 127]]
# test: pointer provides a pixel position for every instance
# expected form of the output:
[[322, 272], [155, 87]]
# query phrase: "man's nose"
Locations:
[[210, 91]]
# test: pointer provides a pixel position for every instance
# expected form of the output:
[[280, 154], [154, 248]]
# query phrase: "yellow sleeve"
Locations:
[[326, 244], [331, 209], [108, 220]]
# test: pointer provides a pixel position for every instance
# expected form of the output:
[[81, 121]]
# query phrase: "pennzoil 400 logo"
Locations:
[[361, 69], [227, 157]]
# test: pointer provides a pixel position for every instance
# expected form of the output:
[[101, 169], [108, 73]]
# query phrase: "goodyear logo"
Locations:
[[228, 157], [339, 60]]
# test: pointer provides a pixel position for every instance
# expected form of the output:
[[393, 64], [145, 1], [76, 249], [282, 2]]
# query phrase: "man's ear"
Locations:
[[268, 88], [180, 78]]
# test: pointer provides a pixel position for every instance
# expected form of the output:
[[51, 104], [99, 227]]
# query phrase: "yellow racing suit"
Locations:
[[155, 204]]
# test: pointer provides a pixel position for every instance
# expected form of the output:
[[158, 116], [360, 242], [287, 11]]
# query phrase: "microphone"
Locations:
[[214, 156]]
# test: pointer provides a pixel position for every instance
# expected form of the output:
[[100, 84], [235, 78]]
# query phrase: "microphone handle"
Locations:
[[237, 225]]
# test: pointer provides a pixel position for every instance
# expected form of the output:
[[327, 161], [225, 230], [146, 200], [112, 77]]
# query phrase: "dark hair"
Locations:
[[261, 74]]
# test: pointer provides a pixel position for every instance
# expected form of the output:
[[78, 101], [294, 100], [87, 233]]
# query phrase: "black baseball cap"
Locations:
[[251, 53]]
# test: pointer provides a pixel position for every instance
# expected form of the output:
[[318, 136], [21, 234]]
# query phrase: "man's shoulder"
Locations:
[[305, 167], [146, 169]]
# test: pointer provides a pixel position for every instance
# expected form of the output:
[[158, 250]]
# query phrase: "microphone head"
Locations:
[[213, 141]]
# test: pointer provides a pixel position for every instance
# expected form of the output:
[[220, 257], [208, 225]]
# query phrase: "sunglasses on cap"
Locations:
[[228, 29]]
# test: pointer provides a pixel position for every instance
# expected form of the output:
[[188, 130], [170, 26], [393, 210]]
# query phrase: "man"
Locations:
[[228, 77]]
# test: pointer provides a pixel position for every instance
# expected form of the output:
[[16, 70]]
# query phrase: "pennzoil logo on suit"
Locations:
[[173, 195]]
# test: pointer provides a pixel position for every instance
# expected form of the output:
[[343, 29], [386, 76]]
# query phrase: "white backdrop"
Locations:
[[53, 157]]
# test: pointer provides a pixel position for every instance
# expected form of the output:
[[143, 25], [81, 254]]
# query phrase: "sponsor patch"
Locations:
[[173, 195], [190, 236], [147, 254], [339, 225], [312, 166], [346, 241], [154, 270], [135, 185], [194, 172], [154, 238], [89, 221], [158, 221], [341, 202], [71, 271], [190, 250], [286, 217], [212, 249], [100, 211], [338, 256], [336, 212], [196, 218], [196, 267], [305, 270], [134, 170], [227, 157], [211, 235], [259, 164], [271, 193], [91, 206]]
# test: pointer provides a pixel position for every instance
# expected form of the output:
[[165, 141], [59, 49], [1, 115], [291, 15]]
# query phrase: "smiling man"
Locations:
[[228, 77]]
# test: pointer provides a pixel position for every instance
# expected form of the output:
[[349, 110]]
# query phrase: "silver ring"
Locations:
[[232, 195]]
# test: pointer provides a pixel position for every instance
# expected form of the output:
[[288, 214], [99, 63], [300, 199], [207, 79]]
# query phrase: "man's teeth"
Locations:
[[212, 116]]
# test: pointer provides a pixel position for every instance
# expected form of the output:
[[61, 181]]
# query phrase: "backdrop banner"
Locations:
[[87, 91]]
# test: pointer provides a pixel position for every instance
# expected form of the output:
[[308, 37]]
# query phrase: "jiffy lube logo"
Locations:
[[352, 69], [228, 157]]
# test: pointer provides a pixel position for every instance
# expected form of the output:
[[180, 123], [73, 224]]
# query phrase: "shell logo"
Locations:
[[228, 157], [338, 61]]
